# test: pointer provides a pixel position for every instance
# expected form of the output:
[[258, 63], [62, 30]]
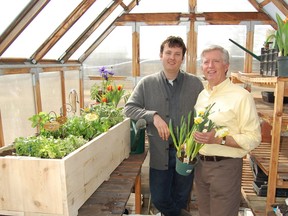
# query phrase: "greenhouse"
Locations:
[[75, 73]]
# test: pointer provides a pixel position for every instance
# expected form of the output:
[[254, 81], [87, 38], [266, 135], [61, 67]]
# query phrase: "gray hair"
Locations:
[[225, 53]]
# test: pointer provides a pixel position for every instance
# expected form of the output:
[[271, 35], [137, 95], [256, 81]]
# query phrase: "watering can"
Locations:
[[246, 50], [137, 136]]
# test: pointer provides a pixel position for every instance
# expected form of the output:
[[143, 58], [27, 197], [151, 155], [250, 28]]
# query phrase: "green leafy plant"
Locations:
[[60, 136], [280, 36], [47, 147]]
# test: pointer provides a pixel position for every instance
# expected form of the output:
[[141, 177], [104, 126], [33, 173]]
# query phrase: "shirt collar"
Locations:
[[217, 87], [179, 77]]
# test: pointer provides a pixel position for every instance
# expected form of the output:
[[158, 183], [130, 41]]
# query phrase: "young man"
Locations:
[[157, 98], [218, 174]]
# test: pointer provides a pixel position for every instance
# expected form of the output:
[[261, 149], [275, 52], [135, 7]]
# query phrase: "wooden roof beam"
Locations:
[[61, 30], [106, 33], [89, 31], [212, 18], [20, 23], [282, 6]]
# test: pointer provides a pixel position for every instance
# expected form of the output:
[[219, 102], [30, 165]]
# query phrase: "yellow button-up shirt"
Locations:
[[234, 109]]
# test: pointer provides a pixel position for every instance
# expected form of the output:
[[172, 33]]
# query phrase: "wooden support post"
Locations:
[[138, 194], [275, 145], [135, 53], [191, 55], [1, 132]]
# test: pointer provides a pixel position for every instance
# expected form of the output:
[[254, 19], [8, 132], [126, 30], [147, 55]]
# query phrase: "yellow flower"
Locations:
[[198, 120], [201, 112], [221, 132], [91, 117]]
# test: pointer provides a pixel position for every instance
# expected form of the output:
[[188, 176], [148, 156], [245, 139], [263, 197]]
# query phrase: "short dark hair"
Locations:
[[174, 41]]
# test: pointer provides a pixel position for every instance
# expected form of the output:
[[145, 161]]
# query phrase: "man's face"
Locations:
[[214, 68], [172, 58]]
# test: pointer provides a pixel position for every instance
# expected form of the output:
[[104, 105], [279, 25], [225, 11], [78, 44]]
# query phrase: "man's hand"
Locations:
[[206, 137], [162, 127]]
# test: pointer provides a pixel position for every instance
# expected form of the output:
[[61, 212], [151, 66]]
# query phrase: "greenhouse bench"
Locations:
[[112, 195]]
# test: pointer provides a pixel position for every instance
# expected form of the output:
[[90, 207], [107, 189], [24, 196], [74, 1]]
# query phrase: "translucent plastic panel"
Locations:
[[41, 28], [9, 10], [16, 106], [224, 6], [97, 33], [220, 35], [115, 52], [150, 45], [77, 29], [161, 6], [50, 84]]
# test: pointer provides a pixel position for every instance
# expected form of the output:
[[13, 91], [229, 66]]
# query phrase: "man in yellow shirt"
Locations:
[[219, 171]]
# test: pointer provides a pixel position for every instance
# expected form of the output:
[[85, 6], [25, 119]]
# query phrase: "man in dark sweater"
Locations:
[[157, 98]]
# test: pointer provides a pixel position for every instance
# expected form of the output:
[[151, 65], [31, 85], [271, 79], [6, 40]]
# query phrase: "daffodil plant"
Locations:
[[183, 136]]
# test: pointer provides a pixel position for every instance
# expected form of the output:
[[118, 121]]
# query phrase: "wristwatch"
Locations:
[[223, 142]]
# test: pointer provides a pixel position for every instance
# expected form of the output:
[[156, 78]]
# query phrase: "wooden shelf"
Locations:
[[258, 80], [271, 158], [262, 157], [266, 112], [94, 77], [255, 202]]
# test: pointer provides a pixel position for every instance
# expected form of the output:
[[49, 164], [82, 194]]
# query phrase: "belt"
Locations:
[[213, 158]]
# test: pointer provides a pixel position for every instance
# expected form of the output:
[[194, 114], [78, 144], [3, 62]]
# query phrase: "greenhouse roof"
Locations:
[[62, 30]]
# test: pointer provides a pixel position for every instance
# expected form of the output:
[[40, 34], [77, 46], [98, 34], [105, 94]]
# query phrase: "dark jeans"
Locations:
[[170, 191]]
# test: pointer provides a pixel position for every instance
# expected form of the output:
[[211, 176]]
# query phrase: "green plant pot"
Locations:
[[184, 168], [282, 63]]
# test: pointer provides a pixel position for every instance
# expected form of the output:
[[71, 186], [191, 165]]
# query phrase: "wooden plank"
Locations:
[[112, 196]]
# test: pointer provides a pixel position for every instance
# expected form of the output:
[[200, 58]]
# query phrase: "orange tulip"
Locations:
[[109, 88], [104, 99]]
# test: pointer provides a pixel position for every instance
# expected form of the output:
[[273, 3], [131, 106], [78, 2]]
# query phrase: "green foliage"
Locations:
[[47, 147], [67, 135], [280, 36]]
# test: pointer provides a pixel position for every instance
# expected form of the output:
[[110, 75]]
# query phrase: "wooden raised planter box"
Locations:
[[32, 186]]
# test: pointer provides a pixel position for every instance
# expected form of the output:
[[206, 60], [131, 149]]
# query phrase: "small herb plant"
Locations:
[[47, 147]]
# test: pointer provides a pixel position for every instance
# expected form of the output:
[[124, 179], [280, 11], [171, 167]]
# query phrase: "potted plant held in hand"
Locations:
[[280, 38], [183, 138]]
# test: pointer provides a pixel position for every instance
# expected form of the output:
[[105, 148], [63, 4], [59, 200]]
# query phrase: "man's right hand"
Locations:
[[162, 127]]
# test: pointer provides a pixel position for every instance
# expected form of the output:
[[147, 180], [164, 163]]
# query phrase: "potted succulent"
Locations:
[[187, 148], [280, 39]]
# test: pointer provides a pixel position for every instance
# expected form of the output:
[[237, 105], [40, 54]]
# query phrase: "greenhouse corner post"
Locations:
[[1, 132]]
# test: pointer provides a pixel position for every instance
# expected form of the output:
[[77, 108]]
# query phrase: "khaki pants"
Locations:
[[218, 187]]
